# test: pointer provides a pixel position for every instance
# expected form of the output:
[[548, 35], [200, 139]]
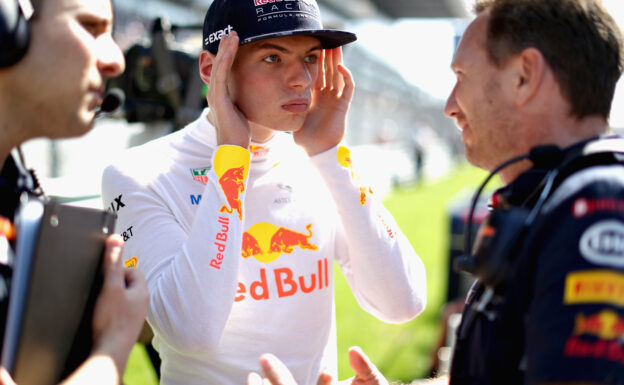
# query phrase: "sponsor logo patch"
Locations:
[[116, 205], [603, 243], [284, 283], [594, 286], [218, 35], [131, 263], [200, 174], [266, 242], [606, 325], [344, 159], [583, 206], [601, 349]]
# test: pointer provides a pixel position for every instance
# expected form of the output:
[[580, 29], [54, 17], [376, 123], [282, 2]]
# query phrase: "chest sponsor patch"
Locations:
[[200, 174], [603, 243]]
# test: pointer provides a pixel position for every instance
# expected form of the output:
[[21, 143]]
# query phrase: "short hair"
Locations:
[[579, 40]]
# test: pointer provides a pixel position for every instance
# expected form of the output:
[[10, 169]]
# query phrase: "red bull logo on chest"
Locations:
[[266, 242]]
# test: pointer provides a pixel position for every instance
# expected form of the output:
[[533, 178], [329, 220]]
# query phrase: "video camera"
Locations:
[[160, 83]]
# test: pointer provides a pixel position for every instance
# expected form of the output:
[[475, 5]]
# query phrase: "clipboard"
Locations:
[[56, 279]]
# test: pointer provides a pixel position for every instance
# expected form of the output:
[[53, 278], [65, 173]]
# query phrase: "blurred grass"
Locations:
[[401, 352]]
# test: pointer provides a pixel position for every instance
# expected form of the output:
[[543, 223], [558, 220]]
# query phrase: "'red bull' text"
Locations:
[[284, 283], [220, 242]]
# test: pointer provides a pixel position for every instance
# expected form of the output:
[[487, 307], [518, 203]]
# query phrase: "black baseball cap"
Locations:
[[263, 19]]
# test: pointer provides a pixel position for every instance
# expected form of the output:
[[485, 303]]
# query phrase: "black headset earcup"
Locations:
[[14, 33]]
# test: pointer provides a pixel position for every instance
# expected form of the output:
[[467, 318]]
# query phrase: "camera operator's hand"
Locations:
[[117, 319], [231, 125], [325, 124]]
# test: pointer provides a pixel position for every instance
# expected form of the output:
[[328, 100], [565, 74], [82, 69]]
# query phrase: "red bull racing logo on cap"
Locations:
[[266, 242], [231, 164]]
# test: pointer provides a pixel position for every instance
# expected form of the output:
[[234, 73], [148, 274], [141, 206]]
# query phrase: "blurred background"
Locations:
[[401, 143]]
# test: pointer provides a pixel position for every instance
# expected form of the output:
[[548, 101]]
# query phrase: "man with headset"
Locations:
[[55, 57], [538, 77]]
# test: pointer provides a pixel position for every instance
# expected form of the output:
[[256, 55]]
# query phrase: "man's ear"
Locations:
[[528, 68], [206, 59]]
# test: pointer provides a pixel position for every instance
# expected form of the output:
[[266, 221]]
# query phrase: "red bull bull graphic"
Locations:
[[283, 283], [231, 164], [607, 329], [344, 159], [266, 242], [606, 325]]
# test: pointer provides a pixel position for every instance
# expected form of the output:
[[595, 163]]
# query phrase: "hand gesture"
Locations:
[[276, 373], [325, 123], [231, 125], [366, 373]]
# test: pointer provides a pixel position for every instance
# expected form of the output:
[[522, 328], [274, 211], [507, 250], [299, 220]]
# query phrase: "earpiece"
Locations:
[[14, 32]]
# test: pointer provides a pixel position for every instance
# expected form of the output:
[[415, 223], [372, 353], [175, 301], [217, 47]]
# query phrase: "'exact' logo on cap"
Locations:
[[218, 35]]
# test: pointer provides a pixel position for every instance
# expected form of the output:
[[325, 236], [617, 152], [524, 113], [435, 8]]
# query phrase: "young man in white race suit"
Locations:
[[236, 223]]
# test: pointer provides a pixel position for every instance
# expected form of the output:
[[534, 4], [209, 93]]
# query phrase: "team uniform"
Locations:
[[560, 317], [237, 248]]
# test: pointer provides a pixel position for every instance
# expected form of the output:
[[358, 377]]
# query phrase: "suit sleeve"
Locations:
[[385, 274], [191, 272]]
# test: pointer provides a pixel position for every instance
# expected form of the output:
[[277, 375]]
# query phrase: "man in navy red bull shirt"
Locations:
[[548, 306]]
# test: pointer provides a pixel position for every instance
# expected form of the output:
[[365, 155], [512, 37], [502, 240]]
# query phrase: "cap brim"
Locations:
[[330, 38]]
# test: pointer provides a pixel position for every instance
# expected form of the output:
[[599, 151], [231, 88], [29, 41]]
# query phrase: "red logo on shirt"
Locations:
[[266, 242], [233, 183]]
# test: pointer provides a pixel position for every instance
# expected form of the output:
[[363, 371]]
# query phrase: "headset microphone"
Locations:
[[113, 99], [502, 230]]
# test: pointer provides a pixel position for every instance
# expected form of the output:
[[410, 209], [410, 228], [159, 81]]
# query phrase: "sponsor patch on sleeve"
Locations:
[[594, 286], [603, 243], [131, 263]]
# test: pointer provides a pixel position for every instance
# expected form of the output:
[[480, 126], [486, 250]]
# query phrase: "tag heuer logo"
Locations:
[[200, 174]]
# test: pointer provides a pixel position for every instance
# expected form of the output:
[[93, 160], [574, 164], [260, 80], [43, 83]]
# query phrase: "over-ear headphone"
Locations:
[[14, 33]]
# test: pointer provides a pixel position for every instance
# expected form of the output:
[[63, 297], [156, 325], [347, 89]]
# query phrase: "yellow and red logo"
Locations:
[[594, 286], [266, 242], [258, 152], [131, 263], [344, 159], [231, 164], [606, 325]]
